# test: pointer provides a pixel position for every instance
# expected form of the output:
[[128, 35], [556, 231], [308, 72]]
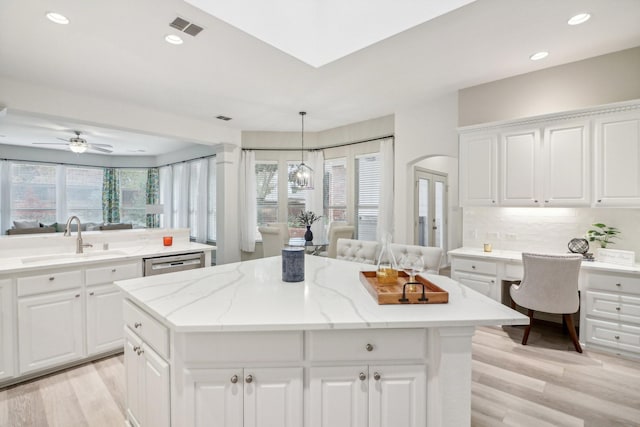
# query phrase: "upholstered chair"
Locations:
[[549, 285], [272, 241], [337, 232], [284, 231], [362, 251], [431, 255]]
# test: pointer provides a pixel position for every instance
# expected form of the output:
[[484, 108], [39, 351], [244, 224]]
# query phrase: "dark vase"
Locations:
[[308, 235]]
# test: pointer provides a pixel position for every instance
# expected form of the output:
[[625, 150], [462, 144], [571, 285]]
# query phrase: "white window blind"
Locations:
[[84, 193], [33, 192], [267, 192], [335, 189], [368, 195]]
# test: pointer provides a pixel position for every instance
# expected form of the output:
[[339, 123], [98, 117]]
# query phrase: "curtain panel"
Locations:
[[248, 201], [153, 195], [385, 208], [110, 196]]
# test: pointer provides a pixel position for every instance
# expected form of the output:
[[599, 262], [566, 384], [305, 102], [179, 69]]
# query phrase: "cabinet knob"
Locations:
[[535, 201], [249, 379], [617, 308], [599, 200], [77, 295], [617, 337], [546, 201], [113, 271], [140, 352], [136, 348], [369, 347], [376, 376], [473, 267], [137, 325], [362, 376], [52, 278], [493, 201], [234, 379], [618, 284], [91, 293]]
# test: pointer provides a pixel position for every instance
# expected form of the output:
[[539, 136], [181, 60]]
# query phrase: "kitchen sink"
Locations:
[[72, 256]]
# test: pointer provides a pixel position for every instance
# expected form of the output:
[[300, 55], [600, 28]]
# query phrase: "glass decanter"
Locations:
[[387, 270]]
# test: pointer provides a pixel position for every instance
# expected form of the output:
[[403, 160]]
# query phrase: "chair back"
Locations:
[[284, 231], [362, 251], [272, 241], [549, 284], [338, 232], [432, 255]]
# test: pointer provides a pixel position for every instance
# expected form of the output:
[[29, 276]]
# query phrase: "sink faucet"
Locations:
[[67, 232]]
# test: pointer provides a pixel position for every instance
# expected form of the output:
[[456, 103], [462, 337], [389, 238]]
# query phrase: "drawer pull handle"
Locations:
[[369, 347], [77, 295], [618, 284], [362, 376], [91, 293], [249, 379], [617, 308], [376, 376], [113, 271], [52, 278], [140, 352], [136, 348], [473, 267], [617, 337], [137, 325], [535, 201], [234, 379]]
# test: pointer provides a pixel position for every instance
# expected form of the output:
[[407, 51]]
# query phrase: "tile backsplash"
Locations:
[[546, 229]]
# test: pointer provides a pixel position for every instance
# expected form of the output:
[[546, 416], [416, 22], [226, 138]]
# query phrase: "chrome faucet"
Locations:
[[67, 232]]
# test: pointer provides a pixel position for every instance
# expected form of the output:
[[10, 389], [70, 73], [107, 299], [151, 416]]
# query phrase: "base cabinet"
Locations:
[[104, 319], [250, 397], [367, 396], [481, 276], [7, 324]]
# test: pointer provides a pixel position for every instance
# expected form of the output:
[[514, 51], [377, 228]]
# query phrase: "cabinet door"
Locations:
[[155, 393], [7, 322], [397, 396], [338, 396], [567, 165], [214, 394], [49, 329], [134, 374], [519, 152], [104, 319], [486, 285], [273, 397], [617, 158], [478, 170]]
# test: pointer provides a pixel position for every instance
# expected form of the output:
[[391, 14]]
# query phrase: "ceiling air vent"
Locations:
[[225, 118], [186, 26]]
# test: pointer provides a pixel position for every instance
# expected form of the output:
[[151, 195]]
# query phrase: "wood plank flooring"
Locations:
[[542, 384]]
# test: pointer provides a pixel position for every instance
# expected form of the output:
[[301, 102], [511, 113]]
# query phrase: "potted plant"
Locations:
[[602, 234], [307, 218]]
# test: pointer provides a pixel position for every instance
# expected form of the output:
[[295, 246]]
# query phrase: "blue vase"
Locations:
[[308, 235]]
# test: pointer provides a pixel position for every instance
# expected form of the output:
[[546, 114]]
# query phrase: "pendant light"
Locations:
[[302, 176]]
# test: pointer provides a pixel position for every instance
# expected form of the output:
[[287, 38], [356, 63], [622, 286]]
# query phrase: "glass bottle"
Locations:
[[387, 271]]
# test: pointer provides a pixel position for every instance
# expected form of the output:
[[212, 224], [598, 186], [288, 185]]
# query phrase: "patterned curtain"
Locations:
[[153, 196], [111, 196]]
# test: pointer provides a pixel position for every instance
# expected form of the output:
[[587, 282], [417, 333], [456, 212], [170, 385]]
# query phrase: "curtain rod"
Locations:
[[344, 144], [99, 166]]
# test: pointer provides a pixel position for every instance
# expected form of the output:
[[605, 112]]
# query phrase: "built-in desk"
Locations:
[[609, 297]]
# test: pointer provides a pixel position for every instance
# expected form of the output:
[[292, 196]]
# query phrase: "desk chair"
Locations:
[[550, 285]]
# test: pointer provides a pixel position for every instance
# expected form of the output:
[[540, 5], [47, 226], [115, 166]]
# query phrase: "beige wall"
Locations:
[[601, 80]]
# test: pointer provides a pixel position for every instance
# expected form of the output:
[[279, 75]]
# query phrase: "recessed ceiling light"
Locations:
[[57, 18], [539, 55], [578, 19], [173, 39]]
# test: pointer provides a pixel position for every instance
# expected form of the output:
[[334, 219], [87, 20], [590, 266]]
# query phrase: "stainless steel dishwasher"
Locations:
[[173, 263]]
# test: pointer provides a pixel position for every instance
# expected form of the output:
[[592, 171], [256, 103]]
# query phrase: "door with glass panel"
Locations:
[[430, 221]]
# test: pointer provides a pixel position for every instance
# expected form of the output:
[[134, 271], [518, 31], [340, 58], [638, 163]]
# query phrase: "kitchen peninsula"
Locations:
[[236, 344]]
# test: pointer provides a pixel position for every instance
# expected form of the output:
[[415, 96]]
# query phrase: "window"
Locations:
[[335, 189], [33, 192], [296, 203], [368, 195], [84, 193], [133, 196], [267, 192]]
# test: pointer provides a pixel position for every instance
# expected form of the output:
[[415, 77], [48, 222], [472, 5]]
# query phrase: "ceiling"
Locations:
[[116, 51]]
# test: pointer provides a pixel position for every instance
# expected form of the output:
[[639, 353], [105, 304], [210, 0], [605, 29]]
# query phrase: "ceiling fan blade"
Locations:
[[101, 145], [62, 139], [102, 150], [49, 143]]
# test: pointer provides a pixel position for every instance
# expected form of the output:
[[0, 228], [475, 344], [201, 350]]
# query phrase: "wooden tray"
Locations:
[[392, 293]]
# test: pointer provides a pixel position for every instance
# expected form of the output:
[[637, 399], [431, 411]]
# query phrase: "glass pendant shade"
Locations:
[[302, 176]]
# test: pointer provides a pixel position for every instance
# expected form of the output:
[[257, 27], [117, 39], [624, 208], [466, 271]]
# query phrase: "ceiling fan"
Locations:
[[79, 145]]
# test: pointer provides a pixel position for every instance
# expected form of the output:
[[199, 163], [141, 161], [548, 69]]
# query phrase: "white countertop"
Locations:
[[514, 256], [250, 296], [120, 252]]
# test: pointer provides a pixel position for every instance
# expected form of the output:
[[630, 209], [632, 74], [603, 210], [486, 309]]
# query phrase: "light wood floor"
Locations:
[[545, 383]]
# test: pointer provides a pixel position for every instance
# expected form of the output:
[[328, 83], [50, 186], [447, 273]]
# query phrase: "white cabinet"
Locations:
[[249, 397], [478, 169], [617, 153], [148, 392], [479, 275], [7, 323], [368, 396], [519, 159], [50, 329]]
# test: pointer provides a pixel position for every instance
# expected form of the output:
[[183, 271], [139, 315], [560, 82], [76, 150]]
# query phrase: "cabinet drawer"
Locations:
[[629, 284], [50, 282], [614, 335], [148, 328], [108, 274], [622, 308], [474, 266], [365, 345]]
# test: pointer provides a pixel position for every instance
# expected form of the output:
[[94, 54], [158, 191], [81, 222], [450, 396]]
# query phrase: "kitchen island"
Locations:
[[236, 345]]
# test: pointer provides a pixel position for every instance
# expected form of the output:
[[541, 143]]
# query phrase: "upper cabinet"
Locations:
[[617, 152], [585, 158]]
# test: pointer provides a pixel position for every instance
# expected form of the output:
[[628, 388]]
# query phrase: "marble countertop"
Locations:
[[116, 252], [250, 296], [515, 256]]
